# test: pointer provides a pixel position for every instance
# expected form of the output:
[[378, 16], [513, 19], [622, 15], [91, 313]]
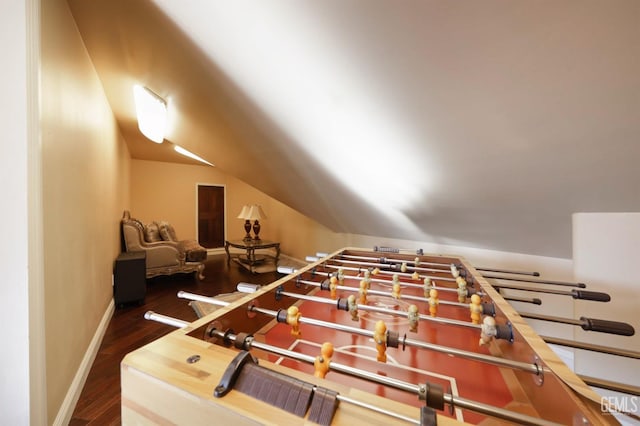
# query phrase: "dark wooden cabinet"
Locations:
[[129, 280]]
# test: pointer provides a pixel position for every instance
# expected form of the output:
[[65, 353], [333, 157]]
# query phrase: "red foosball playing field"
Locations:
[[356, 338]]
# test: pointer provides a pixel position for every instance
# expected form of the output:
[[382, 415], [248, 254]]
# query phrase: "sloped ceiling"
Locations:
[[483, 124]]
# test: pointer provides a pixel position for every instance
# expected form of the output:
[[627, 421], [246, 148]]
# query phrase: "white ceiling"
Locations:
[[482, 124]]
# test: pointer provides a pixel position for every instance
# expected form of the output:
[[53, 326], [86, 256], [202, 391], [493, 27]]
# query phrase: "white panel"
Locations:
[[606, 253], [14, 307]]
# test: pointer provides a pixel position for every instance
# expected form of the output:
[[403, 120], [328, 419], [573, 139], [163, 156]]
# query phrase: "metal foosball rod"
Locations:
[[281, 317], [537, 281], [438, 264], [422, 391], [394, 267], [325, 286], [501, 331], [386, 260], [535, 274], [610, 385], [487, 359], [507, 271], [470, 291], [587, 324], [421, 252], [339, 303], [353, 268], [591, 347], [595, 296], [444, 267], [533, 301]]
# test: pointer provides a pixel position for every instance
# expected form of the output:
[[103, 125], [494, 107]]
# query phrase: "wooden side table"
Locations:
[[250, 258]]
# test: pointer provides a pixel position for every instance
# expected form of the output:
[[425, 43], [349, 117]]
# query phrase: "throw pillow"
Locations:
[[152, 233], [167, 232]]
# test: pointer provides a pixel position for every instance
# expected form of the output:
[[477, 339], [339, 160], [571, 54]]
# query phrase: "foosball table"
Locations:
[[359, 337]]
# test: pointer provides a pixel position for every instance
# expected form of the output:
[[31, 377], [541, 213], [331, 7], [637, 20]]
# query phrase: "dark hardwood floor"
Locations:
[[99, 403]]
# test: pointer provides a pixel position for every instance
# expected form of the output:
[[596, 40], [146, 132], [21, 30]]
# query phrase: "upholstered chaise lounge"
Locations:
[[166, 255]]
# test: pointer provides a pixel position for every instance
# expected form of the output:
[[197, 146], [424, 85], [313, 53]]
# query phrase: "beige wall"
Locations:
[[166, 191], [85, 170]]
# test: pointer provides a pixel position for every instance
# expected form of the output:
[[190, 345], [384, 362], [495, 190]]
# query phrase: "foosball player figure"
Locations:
[[353, 307], [476, 309], [380, 337], [333, 287], [433, 302], [427, 286], [293, 319], [323, 360], [375, 271], [454, 271], [363, 293], [413, 316], [395, 292], [415, 276], [488, 330], [462, 289], [367, 278], [340, 276], [416, 261], [403, 267]]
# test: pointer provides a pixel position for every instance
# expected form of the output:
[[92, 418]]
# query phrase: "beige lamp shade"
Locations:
[[244, 213], [256, 213]]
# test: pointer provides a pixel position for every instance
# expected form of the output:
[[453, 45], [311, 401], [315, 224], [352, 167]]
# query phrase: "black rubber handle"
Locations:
[[604, 326], [232, 372], [590, 295]]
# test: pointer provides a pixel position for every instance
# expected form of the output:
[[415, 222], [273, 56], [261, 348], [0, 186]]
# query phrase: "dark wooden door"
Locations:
[[211, 216]]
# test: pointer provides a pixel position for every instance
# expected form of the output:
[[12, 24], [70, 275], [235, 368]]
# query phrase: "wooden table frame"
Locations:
[[250, 246]]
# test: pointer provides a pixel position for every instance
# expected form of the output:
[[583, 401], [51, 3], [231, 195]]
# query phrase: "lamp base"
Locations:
[[256, 229], [247, 229]]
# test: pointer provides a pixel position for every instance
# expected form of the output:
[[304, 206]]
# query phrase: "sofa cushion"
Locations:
[[167, 233], [152, 233]]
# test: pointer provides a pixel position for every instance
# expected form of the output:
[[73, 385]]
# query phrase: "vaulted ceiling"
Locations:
[[482, 124]]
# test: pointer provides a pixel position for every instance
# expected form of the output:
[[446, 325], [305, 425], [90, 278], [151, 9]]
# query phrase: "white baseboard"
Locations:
[[73, 394]]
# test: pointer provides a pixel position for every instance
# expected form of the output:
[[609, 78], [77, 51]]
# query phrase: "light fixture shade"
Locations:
[[244, 213], [151, 110], [256, 213]]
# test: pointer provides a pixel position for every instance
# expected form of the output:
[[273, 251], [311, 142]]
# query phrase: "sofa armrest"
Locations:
[[162, 243], [164, 255]]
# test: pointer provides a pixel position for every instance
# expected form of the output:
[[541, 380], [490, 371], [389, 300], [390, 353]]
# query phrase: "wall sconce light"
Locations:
[[151, 110], [252, 212]]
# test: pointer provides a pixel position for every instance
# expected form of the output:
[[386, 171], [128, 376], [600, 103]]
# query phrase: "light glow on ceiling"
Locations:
[[187, 153], [309, 83], [151, 111]]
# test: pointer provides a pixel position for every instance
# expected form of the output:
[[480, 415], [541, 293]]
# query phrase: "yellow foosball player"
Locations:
[[413, 316], [321, 364], [293, 319], [476, 309], [380, 337]]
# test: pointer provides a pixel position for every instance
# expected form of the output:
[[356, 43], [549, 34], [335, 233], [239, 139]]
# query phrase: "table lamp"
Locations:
[[256, 214], [244, 214]]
